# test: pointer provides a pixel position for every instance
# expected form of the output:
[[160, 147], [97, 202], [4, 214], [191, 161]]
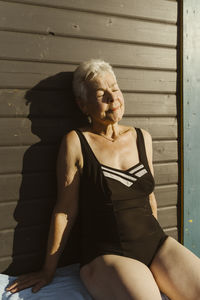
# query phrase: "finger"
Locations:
[[23, 285], [20, 280], [19, 288], [38, 286], [11, 286]]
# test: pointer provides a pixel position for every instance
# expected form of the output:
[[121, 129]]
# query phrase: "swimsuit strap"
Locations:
[[141, 148], [85, 147]]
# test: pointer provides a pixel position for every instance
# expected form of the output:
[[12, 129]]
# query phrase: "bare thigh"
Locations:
[[177, 271], [112, 277]]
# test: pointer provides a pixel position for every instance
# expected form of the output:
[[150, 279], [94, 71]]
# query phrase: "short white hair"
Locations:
[[86, 71]]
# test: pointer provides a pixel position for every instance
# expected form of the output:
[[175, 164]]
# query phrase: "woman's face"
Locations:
[[105, 102]]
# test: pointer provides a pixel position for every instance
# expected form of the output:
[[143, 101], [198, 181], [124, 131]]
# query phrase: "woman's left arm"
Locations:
[[149, 152]]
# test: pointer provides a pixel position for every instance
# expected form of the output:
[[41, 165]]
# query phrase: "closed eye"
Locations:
[[100, 95]]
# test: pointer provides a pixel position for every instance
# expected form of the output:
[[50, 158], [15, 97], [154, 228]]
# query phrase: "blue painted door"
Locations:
[[191, 121]]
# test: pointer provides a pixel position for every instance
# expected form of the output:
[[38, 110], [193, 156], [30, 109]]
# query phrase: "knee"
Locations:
[[87, 274]]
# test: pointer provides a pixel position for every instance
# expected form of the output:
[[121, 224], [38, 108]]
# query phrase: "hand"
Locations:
[[36, 280]]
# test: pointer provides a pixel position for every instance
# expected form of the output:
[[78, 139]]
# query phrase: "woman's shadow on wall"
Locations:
[[53, 113]]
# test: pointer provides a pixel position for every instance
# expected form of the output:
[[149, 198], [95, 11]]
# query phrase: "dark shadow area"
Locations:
[[53, 113]]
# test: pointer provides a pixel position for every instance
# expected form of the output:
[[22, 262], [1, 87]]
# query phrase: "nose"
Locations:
[[111, 96]]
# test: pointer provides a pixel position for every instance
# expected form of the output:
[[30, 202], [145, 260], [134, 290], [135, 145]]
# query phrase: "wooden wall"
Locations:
[[42, 41]]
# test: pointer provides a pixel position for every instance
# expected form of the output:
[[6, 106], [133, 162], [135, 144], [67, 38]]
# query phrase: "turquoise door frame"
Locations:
[[191, 125]]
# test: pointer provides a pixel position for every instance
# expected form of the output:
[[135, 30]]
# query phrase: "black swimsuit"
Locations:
[[116, 217]]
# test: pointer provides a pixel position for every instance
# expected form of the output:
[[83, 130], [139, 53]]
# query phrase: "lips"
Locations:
[[114, 108]]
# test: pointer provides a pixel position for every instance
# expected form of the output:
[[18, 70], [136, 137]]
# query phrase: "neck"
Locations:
[[110, 131]]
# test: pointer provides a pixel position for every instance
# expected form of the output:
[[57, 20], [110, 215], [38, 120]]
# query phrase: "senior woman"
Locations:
[[105, 171]]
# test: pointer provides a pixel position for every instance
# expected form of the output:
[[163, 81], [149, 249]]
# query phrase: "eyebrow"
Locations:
[[101, 89]]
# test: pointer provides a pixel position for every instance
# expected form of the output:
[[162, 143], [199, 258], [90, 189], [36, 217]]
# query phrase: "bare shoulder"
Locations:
[[147, 137], [71, 139], [70, 150]]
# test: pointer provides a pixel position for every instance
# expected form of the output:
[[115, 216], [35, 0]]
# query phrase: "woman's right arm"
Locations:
[[63, 216]]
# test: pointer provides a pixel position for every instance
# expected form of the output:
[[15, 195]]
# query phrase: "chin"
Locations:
[[116, 120]]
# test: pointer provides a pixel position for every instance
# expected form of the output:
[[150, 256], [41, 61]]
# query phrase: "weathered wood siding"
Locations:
[[42, 41]]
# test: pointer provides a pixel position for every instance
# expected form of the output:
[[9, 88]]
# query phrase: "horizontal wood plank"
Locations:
[[67, 50], [32, 186], [146, 80], [166, 195], [167, 217], [150, 105], [61, 22], [159, 128], [38, 75], [26, 132], [165, 151], [43, 158], [28, 187], [26, 262], [43, 185], [34, 238], [173, 232], [45, 103], [22, 131], [28, 159], [15, 74], [166, 173], [21, 265], [25, 213], [159, 10], [28, 246], [35, 213]]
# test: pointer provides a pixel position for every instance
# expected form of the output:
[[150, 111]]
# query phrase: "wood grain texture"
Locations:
[[25, 259], [58, 49], [139, 104], [38, 212], [42, 42], [166, 195], [159, 128], [27, 187], [30, 234], [22, 131], [60, 22], [166, 173], [43, 158], [59, 103], [165, 151], [173, 232], [167, 216], [43, 184], [25, 213], [131, 79], [157, 10], [25, 75]]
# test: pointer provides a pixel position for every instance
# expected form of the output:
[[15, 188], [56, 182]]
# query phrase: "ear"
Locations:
[[82, 105]]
